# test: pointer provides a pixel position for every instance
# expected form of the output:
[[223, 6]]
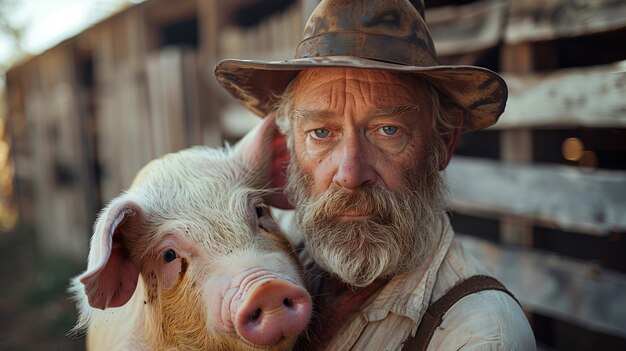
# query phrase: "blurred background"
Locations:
[[94, 89]]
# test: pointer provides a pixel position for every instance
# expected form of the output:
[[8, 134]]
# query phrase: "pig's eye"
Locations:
[[259, 211], [169, 255]]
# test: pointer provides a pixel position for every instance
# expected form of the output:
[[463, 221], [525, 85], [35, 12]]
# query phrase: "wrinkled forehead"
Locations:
[[382, 87], [379, 88]]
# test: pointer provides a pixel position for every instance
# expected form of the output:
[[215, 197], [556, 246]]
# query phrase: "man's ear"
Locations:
[[456, 118]]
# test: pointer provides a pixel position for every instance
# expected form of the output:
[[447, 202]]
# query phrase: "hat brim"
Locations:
[[257, 84]]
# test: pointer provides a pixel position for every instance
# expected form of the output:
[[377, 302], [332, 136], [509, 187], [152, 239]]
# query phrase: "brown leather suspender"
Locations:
[[435, 312]]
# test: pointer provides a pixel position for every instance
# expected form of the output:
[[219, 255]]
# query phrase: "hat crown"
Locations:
[[384, 30]]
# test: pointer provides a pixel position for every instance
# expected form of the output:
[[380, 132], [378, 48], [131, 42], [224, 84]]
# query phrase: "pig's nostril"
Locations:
[[271, 311], [255, 315]]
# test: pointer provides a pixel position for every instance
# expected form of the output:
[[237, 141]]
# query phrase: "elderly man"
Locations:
[[371, 118]]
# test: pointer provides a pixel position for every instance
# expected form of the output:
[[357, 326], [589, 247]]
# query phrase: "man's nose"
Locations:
[[354, 169]]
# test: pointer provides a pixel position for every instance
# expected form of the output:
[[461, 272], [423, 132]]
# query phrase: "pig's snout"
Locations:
[[273, 310]]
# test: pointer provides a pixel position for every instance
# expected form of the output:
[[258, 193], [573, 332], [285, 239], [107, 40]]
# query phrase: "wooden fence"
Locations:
[[87, 114], [505, 180]]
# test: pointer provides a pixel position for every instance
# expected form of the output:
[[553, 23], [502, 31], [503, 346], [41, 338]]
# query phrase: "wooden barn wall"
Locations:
[[552, 229], [20, 148], [56, 153], [90, 112], [121, 102]]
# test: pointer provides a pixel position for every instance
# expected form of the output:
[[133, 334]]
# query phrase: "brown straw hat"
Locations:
[[388, 35]]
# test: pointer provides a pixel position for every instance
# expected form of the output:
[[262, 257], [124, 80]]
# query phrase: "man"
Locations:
[[371, 118]]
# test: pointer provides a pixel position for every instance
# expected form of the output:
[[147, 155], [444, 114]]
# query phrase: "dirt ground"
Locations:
[[36, 312]]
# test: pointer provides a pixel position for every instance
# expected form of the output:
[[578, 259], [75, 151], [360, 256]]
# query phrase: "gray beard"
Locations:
[[393, 233]]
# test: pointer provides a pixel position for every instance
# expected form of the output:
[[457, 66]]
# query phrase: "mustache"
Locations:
[[375, 203]]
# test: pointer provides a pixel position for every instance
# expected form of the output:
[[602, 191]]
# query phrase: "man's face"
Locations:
[[356, 128], [364, 187]]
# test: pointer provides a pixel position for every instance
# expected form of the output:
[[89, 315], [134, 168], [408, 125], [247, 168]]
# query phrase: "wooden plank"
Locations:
[[516, 147], [40, 152], [201, 125], [276, 33], [575, 291], [210, 26], [165, 89], [467, 28], [529, 57], [230, 42], [51, 110], [137, 38], [66, 203], [132, 113], [589, 97], [124, 143], [536, 20], [19, 137], [8, 210], [294, 27], [165, 12], [275, 38], [193, 94], [109, 144], [104, 66], [553, 196], [86, 134], [471, 59], [109, 113]]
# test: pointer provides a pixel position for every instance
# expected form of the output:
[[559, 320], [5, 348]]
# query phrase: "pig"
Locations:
[[189, 258]]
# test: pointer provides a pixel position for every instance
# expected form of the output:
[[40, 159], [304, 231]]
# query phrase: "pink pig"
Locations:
[[190, 258]]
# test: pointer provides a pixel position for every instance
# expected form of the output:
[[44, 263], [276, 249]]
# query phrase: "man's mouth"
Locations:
[[351, 215]]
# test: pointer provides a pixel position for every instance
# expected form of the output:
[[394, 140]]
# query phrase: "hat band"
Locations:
[[369, 46]]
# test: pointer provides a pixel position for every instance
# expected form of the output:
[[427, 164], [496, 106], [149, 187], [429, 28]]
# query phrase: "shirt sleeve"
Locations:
[[488, 320]]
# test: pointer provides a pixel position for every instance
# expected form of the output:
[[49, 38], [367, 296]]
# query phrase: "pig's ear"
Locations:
[[111, 276], [264, 153]]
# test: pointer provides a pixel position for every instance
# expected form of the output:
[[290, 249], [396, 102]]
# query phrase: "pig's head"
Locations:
[[195, 233]]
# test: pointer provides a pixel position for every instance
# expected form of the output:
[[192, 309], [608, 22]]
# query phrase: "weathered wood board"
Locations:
[[273, 39], [554, 196], [574, 291], [122, 122], [535, 20], [167, 112], [580, 97], [467, 28], [51, 109]]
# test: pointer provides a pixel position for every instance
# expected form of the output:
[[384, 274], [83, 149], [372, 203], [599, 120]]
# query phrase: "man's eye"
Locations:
[[389, 130], [321, 133]]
